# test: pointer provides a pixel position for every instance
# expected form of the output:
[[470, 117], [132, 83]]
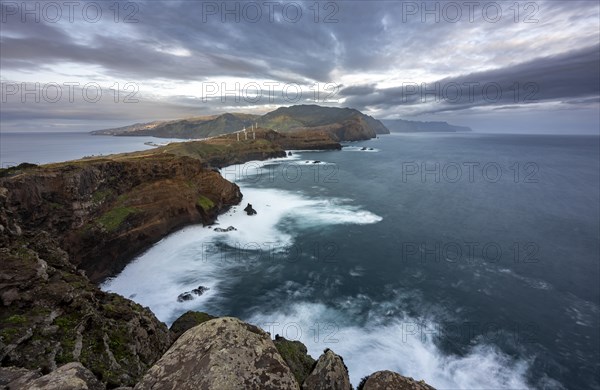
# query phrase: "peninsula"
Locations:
[[66, 227]]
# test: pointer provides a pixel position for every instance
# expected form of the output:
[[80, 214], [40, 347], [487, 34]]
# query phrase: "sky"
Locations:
[[531, 66]]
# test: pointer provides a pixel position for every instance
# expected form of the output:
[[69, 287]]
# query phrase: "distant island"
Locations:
[[404, 126]]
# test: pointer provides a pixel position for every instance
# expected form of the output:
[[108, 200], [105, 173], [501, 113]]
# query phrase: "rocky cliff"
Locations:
[[104, 212], [65, 226]]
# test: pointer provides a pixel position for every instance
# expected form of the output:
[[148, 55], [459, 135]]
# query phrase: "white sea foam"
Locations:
[[368, 149], [199, 255], [405, 346], [194, 256]]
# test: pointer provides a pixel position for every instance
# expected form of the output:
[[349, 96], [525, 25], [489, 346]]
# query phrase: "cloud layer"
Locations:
[[538, 54]]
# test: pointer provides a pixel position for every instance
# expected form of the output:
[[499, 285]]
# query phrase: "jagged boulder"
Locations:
[[296, 357], [224, 353], [330, 373], [389, 380], [71, 376]]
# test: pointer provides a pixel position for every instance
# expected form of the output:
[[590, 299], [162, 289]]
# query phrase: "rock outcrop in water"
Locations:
[[250, 210]]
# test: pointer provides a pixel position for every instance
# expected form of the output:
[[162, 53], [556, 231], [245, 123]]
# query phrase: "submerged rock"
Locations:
[[289, 153], [383, 380], [330, 373], [186, 296], [223, 353], [200, 290], [249, 210], [221, 230], [189, 295]]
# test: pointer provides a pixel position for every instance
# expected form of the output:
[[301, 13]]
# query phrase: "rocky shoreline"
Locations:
[[66, 227]]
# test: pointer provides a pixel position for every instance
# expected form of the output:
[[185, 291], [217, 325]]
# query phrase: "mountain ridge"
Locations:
[[343, 124]]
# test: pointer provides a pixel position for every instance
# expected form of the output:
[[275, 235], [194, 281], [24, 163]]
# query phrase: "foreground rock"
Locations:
[[71, 376], [330, 373], [16, 377], [223, 353], [52, 315], [388, 380]]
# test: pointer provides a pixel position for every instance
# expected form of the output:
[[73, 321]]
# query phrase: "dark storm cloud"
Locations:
[[568, 76], [352, 36], [265, 49]]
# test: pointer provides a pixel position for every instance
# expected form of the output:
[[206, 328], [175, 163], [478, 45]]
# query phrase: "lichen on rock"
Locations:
[[224, 353]]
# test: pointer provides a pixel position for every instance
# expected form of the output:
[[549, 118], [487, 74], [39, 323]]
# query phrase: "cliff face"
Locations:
[[104, 212]]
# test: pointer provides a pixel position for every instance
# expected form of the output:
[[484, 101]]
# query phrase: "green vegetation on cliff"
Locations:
[[112, 219], [205, 203]]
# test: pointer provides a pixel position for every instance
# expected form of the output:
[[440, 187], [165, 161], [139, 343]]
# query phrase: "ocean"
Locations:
[[44, 148], [468, 260]]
